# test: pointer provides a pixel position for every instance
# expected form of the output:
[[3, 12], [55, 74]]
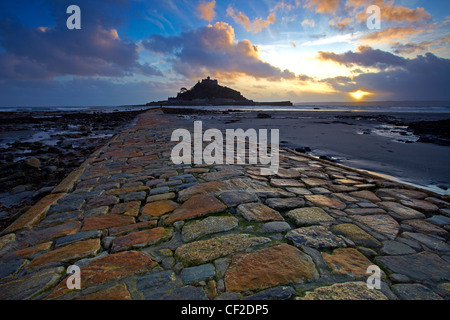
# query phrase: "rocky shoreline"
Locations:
[[39, 149], [437, 132]]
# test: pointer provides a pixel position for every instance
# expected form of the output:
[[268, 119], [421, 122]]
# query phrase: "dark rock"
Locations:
[[198, 273], [414, 292], [421, 266], [30, 285], [10, 267], [277, 293]]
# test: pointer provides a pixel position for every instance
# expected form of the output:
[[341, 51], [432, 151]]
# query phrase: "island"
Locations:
[[208, 92]]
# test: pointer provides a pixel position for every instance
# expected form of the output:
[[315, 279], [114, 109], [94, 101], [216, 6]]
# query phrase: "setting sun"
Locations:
[[358, 95]]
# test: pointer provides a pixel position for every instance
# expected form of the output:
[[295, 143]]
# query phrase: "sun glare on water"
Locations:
[[358, 95]]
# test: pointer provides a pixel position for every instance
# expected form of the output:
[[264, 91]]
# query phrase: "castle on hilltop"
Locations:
[[209, 82], [208, 92]]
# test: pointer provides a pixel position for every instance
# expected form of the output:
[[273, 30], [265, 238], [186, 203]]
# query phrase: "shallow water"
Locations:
[[360, 143]]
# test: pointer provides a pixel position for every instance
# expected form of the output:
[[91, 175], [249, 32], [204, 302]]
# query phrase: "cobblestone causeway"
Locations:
[[140, 227]]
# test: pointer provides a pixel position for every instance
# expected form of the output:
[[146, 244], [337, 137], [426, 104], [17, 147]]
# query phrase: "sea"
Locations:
[[381, 107]]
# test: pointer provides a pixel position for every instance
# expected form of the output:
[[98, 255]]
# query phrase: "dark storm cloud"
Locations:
[[214, 49], [364, 57], [422, 78], [48, 52]]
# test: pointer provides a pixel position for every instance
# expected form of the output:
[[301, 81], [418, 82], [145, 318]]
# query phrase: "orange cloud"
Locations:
[[341, 24], [399, 14], [43, 29], [392, 34], [206, 10], [308, 22], [252, 26], [213, 50], [323, 6], [389, 12]]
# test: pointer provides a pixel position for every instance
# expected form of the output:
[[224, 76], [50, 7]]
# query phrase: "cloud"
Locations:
[[393, 34], [57, 52], [322, 39], [364, 57], [424, 77], [254, 26], [213, 50], [415, 48], [148, 70], [322, 6], [410, 47], [206, 10], [308, 22], [47, 52], [341, 24], [283, 5], [401, 14], [389, 12]]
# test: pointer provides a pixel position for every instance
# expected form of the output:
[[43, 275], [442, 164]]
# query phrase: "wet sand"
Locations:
[[359, 140]]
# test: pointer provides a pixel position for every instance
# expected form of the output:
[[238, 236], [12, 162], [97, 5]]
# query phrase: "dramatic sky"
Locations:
[[136, 51]]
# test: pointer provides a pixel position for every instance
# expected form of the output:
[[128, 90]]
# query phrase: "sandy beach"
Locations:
[[362, 140]]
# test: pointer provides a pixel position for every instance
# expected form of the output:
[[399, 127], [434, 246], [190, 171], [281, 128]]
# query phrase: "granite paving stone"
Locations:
[[382, 223], [426, 227], [348, 261], [393, 248], [106, 221], [414, 292], [345, 291], [128, 208], [258, 212], [159, 208], [199, 228], [325, 201], [198, 273], [356, 234], [70, 252], [208, 250], [195, 207], [400, 211], [285, 203], [423, 266], [269, 267], [234, 198], [309, 216], [315, 237], [140, 239]]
